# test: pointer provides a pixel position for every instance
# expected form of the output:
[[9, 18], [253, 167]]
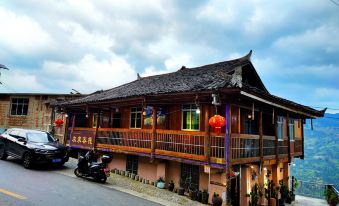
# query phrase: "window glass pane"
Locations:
[[195, 121], [14, 107], [187, 106], [186, 120], [25, 101], [132, 123], [279, 130], [138, 123], [19, 109], [25, 109]]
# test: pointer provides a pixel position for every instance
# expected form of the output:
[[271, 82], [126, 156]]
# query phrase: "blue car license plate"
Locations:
[[56, 160]]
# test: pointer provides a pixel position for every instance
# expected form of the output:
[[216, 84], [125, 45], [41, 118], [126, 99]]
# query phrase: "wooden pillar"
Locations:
[[288, 137], [72, 129], [261, 141], [207, 144], [96, 129], [276, 139], [64, 141], [302, 137], [154, 132]]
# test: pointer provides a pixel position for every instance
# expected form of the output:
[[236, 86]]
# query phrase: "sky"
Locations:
[[56, 46]]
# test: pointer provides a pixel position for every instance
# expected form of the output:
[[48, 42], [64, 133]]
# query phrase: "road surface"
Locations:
[[47, 187]]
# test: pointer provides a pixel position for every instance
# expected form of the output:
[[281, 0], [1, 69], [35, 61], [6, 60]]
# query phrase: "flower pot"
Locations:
[[147, 182], [116, 171], [141, 179], [122, 172], [152, 183], [136, 177], [204, 197], [132, 176], [273, 202], [192, 194], [181, 191], [217, 201], [171, 186], [199, 196], [126, 173], [161, 185]]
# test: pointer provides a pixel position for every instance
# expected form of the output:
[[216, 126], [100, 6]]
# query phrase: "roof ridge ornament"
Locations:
[[247, 56], [138, 76]]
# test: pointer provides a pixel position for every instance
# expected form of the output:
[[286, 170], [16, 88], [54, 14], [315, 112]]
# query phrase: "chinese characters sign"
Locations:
[[82, 139]]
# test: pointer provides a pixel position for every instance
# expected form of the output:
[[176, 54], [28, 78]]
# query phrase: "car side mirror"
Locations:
[[22, 140]]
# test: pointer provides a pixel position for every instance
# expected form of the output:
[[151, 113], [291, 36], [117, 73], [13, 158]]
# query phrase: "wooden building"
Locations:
[[159, 126], [31, 111]]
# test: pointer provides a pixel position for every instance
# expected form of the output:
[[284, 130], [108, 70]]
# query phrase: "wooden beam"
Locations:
[[261, 141], [154, 132], [302, 137], [207, 143], [96, 129]]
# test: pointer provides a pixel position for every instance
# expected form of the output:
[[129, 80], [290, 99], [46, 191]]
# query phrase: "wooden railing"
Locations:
[[269, 145], [183, 144], [217, 143], [140, 138], [245, 146], [298, 145], [188, 142], [283, 147]]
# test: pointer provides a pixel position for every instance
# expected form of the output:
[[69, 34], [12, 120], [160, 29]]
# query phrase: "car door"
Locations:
[[20, 146], [12, 138]]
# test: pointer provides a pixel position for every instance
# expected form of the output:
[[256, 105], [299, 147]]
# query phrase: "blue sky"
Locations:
[[54, 46]]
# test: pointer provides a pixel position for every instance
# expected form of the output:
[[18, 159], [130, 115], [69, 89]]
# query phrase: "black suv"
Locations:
[[32, 146]]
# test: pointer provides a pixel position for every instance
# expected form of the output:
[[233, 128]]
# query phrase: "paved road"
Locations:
[[46, 186]]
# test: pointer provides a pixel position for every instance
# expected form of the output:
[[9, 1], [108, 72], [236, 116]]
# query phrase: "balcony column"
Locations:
[[288, 137], [207, 144], [97, 127], [302, 138], [154, 132], [261, 142]]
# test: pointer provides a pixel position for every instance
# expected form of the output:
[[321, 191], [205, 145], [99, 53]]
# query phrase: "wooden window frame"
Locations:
[[135, 120], [182, 117], [282, 128]]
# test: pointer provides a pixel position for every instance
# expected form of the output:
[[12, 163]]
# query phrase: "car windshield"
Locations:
[[40, 137]]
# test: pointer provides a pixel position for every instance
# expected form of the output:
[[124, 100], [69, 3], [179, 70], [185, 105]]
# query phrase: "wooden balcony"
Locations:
[[183, 145]]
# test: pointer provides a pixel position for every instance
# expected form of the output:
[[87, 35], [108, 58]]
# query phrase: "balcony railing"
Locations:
[[183, 144]]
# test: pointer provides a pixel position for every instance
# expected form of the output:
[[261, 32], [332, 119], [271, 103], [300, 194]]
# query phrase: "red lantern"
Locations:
[[232, 174], [217, 122], [58, 122]]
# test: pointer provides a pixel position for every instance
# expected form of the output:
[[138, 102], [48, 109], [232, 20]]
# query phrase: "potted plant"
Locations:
[[171, 186], [283, 192], [199, 196], [295, 185], [132, 176], [331, 197], [216, 200], [204, 197], [161, 183], [254, 195], [181, 191], [192, 193]]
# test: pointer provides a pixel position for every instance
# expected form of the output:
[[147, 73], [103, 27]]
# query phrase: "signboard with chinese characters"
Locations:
[[83, 139]]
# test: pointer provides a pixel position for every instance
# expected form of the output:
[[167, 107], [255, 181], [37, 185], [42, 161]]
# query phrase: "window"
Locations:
[[291, 128], [19, 106], [136, 113], [190, 118], [280, 121], [132, 164]]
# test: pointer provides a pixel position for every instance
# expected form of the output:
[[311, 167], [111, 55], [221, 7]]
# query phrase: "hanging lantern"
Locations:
[[58, 122], [217, 122], [232, 174]]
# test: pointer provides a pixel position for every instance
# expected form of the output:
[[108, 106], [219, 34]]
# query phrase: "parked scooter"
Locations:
[[97, 171]]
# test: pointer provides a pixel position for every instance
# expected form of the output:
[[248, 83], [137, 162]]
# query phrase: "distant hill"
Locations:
[[321, 163]]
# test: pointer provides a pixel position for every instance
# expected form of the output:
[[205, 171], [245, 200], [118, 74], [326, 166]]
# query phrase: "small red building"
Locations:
[[158, 126]]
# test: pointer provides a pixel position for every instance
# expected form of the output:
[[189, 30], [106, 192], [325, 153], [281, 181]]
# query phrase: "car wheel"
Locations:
[[3, 155], [27, 160]]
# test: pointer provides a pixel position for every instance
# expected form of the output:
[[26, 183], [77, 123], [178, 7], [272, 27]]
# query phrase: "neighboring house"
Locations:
[[31, 110], [158, 126]]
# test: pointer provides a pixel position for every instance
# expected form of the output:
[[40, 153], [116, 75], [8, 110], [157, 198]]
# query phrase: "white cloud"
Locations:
[[90, 74], [20, 81], [22, 34], [323, 38]]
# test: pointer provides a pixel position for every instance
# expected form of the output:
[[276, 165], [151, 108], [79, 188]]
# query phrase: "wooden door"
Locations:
[[189, 176]]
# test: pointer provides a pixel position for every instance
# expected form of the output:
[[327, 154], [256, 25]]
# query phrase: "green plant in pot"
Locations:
[[254, 195], [192, 193], [216, 200], [171, 186], [295, 185], [161, 183], [204, 197], [181, 190], [283, 190], [199, 196], [331, 197]]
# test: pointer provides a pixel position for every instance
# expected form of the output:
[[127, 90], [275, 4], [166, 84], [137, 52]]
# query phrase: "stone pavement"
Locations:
[[127, 185], [307, 201]]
